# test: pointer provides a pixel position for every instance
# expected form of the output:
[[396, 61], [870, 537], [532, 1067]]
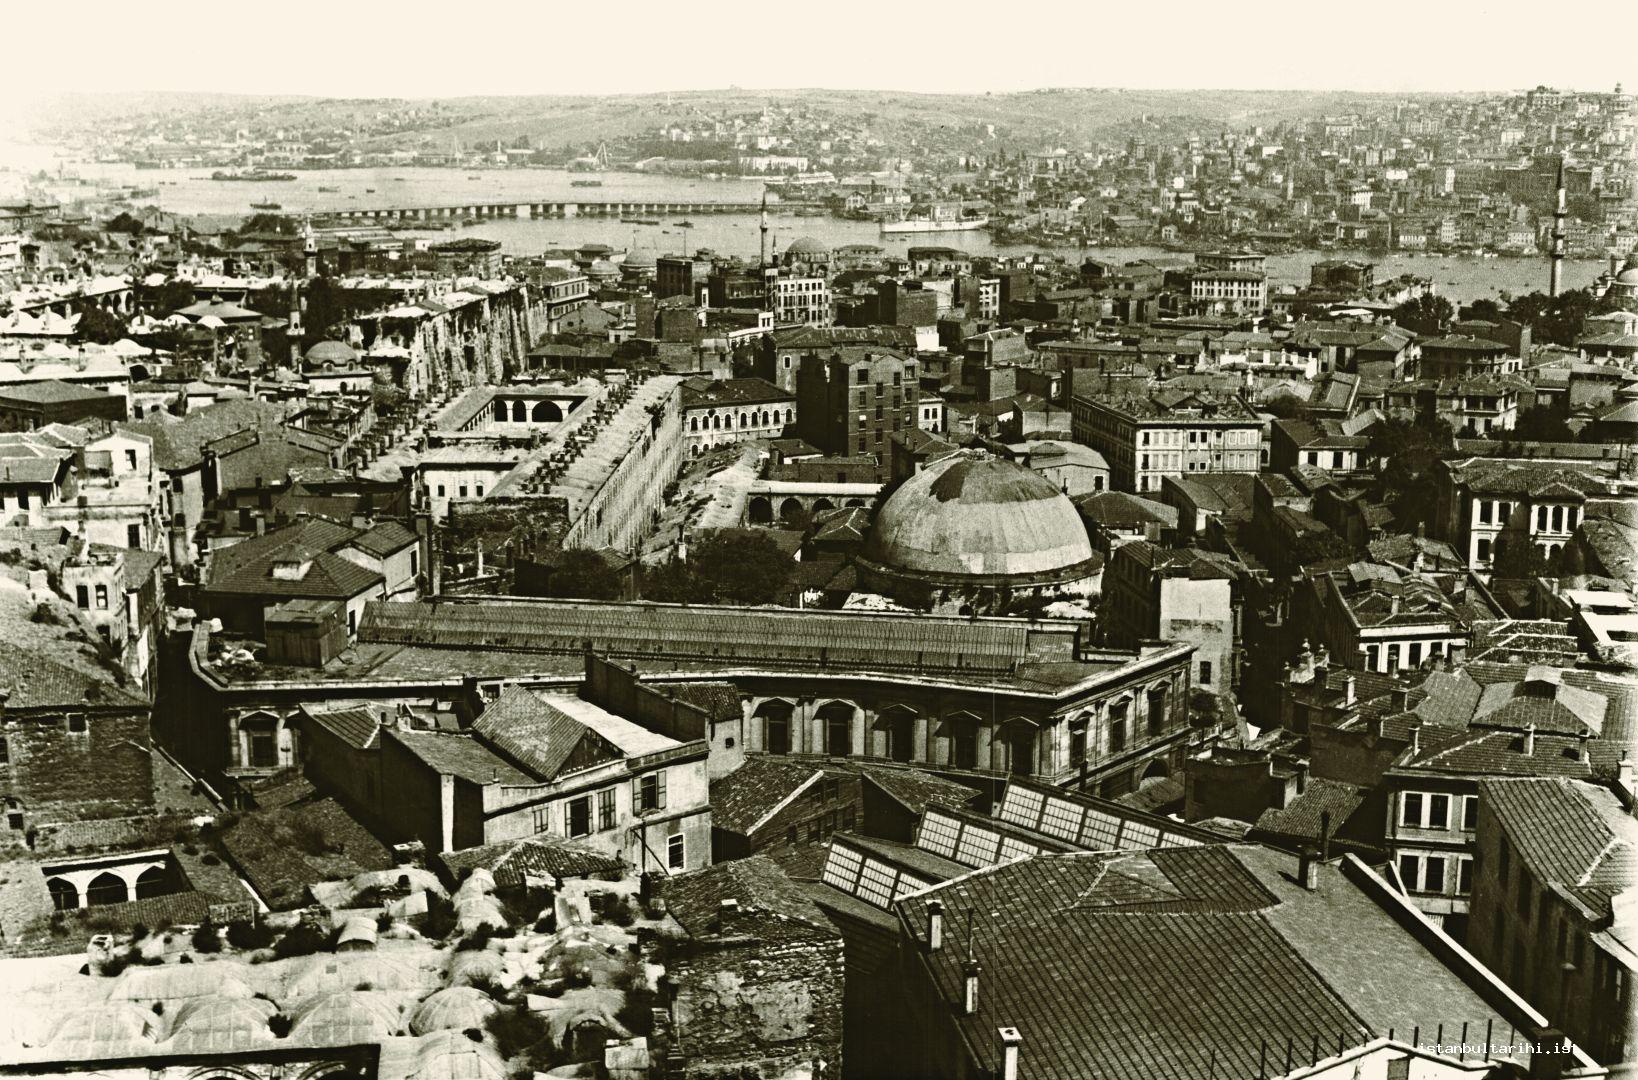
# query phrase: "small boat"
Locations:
[[369, 191], [685, 224], [265, 206], [330, 189]]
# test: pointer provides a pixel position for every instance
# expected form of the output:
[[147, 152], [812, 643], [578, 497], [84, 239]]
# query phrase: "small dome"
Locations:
[[639, 260], [454, 1009], [807, 245], [1629, 272], [975, 518], [330, 352]]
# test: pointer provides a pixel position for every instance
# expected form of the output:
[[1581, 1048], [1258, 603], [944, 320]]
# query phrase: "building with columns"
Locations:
[[980, 696]]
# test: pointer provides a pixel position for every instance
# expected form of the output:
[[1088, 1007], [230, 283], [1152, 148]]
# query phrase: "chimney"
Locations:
[[1374, 726], [1548, 1065], [1400, 698], [1530, 739], [1416, 737], [1581, 753], [935, 925], [1325, 836], [1011, 1040], [969, 994], [727, 912], [1348, 690], [1307, 869]]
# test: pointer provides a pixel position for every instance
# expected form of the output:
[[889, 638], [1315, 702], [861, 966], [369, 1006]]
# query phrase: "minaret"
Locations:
[[1556, 277], [309, 248], [764, 254]]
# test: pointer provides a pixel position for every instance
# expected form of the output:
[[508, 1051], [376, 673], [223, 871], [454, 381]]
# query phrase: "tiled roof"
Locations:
[[703, 393], [357, 727], [1130, 966], [1492, 476], [1116, 509], [1178, 962], [43, 682], [329, 577], [511, 860], [383, 539], [740, 800], [1488, 752], [304, 535], [538, 735], [771, 906], [461, 756], [1573, 835], [1301, 819], [915, 789], [179, 442]]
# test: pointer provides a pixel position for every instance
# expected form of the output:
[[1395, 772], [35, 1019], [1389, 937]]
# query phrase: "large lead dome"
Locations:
[[975, 519]]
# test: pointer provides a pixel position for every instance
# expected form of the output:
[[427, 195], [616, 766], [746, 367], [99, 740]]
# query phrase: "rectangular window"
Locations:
[[1415, 654], [1484, 511], [674, 855], [1464, 876], [1205, 673], [463, 491], [1409, 865], [1470, 812], [1410, 808], [648, 792], [580, 816], [82, 596], [5, 752], [1433, 873], [1484, 549], [76, 723], [133, 536], [102, 598], [542, 816], [605, 808], [1438, 811]]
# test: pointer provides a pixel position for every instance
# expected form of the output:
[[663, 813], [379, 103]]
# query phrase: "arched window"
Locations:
[[742, 421], [152, 882], [760, 511], [899, 723], [106, 888], [1019, 738], [64, 896], [693, 423], [962, 731], [837, 721], [500, 412], [776, 726], [716, 422], [1157, 710], [547, 412], [520, 412], [790, 416], [260, 737]]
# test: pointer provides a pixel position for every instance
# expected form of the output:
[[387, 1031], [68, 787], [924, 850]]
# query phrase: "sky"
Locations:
[[410, 48]]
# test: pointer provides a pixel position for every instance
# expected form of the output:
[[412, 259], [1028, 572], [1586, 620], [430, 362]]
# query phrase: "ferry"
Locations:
[[924, 224], [265, 206], [585, 183], [684, 224], [251, 176]]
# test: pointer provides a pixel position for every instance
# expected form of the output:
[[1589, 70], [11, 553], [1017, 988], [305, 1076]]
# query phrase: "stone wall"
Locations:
[[58, 774], [774, 1009]]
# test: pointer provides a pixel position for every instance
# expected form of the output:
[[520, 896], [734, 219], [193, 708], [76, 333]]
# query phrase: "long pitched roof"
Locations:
[[1175, 962], [1574, 836]]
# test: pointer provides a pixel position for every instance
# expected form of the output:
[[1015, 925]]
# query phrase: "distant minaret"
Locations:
[[309, 248], [764, 254], [1557, 276]]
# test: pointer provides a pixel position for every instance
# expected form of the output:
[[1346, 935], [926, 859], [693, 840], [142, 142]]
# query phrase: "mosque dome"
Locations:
[[1629, 272], [975, 519], [639, 260], [807, 247], [331, 352]]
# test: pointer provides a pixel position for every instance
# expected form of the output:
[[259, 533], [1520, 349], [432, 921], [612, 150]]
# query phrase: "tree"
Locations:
[[161, 300], [327, 306], [125, 223], [1517, 557], [584, 575], [1486, 310], [1408, 453], [728, 566], [1428, 313], [1284, 405], [1557, 319], [98, 326], [1539, 423]]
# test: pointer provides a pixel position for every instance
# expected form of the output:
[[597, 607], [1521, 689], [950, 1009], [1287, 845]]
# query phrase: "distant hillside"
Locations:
[[1029, 119]]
